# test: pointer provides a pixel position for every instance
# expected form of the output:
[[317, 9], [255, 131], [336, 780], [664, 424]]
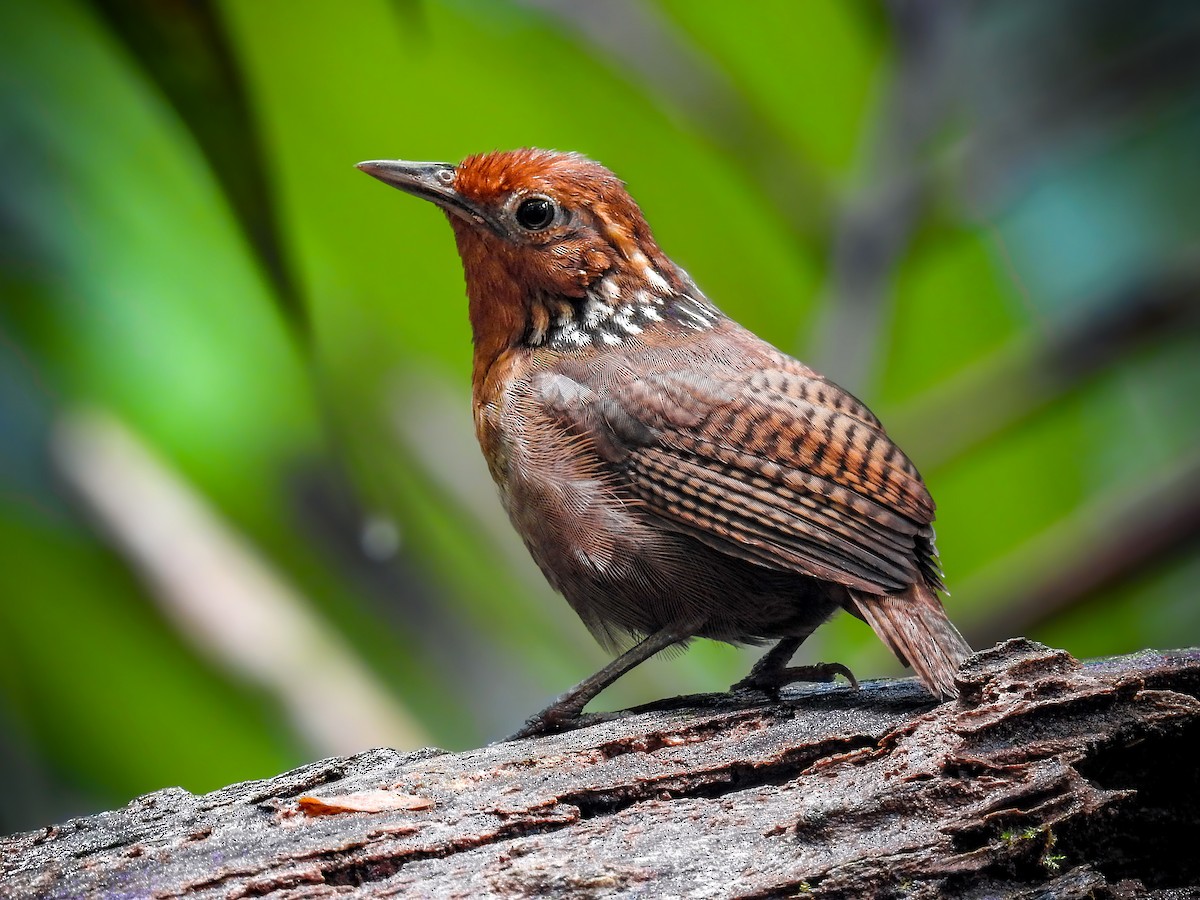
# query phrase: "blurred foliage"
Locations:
[[982, 217]]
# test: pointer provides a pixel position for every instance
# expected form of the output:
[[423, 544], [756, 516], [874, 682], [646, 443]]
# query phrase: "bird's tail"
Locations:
[[916, 627]]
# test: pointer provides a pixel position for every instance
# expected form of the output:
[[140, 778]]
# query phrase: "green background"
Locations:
[[243, 520]]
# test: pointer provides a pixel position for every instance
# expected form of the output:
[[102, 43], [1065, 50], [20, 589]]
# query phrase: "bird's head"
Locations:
[[546, 239]]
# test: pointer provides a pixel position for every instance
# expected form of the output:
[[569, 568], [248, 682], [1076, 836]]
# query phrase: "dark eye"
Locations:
[[535, 213]]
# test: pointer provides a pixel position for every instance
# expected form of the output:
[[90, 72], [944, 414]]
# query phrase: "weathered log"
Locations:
[[1048, 779]]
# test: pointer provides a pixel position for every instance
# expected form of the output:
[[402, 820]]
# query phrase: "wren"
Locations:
[[673, 475]]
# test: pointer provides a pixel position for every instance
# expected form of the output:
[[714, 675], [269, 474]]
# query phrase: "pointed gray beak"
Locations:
[[430, 181]]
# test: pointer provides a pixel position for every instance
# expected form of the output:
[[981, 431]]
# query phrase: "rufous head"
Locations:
[[536, 229], [555, 222]]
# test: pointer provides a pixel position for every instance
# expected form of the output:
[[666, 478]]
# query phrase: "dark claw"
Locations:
[[771, 680], [554, 718], [535, 726]]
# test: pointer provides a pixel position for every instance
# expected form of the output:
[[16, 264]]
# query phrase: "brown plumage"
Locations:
[[673, 475]]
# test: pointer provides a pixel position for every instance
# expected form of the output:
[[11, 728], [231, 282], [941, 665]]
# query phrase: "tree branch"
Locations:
[[1048, 779]]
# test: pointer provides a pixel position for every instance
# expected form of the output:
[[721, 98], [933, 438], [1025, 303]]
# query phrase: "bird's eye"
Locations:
[[535, 213]]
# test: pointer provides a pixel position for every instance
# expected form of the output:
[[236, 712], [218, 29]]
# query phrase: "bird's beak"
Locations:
[[431, 181]]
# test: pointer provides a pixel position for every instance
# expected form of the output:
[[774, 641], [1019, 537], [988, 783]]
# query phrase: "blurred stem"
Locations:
[[645, 47], [999, 394], [875, 222], [223, 596], [1115, 539], [1103, 546], [455, 659]]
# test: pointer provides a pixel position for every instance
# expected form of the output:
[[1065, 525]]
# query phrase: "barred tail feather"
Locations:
[[915, 626]]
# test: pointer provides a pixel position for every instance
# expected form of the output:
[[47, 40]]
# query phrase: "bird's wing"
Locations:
[[780, 468]]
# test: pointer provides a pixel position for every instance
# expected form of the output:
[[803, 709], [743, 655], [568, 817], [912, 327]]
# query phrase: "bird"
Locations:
[[673, 475]]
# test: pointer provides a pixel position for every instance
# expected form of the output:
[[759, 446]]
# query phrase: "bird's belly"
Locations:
[[623, 569]]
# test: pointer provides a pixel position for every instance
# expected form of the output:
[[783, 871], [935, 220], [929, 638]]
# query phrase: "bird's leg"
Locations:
[[567, 708], [764, 673], [772, 671]]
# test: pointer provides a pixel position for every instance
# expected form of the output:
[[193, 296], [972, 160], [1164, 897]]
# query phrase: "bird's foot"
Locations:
[[769, 681], [564, 713], [541, 724], [561, 715]]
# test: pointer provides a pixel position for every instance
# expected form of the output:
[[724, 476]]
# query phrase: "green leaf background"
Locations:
[[983, 220]]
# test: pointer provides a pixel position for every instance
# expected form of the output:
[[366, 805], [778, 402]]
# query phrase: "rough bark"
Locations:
[[1048, 779]]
